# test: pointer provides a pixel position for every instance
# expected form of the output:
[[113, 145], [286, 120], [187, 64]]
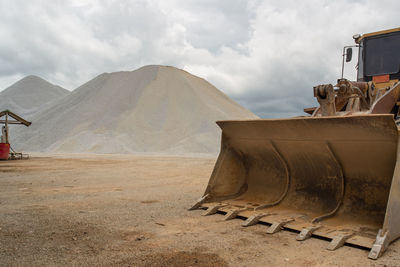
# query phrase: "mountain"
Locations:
[[29, 94], [156, 109]]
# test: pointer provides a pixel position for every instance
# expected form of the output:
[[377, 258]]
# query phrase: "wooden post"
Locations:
[[6, 124]]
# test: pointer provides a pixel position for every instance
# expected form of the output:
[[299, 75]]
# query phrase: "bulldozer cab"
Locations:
[[379, 56], [334, 174]]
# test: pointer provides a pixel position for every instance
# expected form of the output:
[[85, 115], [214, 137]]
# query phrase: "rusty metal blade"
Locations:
[[336, 171]]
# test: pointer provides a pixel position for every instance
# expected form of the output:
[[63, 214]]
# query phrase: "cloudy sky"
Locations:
[[266, 55]]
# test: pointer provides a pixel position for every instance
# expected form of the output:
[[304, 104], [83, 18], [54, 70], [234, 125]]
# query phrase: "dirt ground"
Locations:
[[114, 210]]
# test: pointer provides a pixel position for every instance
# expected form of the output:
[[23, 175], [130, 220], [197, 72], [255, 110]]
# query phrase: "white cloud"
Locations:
[[265, 54]]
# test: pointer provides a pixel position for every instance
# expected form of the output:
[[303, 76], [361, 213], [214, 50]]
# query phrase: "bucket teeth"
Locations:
[[199, 202], [339, 240], [277, 226], [379, 246], [213, 209], [307, 232], [254, 219], [232, 214]]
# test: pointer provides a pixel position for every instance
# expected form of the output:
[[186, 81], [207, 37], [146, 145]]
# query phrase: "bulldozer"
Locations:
[[333, 173]]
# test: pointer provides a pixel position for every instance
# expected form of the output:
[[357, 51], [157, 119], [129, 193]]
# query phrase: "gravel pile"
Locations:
[[155, 109]]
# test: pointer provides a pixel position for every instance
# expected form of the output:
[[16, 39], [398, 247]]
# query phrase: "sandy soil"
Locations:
[[103, 210]]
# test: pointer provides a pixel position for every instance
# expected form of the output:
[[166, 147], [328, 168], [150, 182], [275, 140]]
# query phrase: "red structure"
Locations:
[[4, 150]]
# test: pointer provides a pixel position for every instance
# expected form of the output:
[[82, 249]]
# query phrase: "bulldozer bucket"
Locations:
[[332, 177]]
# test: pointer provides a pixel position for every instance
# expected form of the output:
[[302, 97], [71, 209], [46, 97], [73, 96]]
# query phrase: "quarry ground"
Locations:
[[119, 210]]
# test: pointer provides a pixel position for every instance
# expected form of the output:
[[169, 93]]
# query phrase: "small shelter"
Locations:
[[7, 117]]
